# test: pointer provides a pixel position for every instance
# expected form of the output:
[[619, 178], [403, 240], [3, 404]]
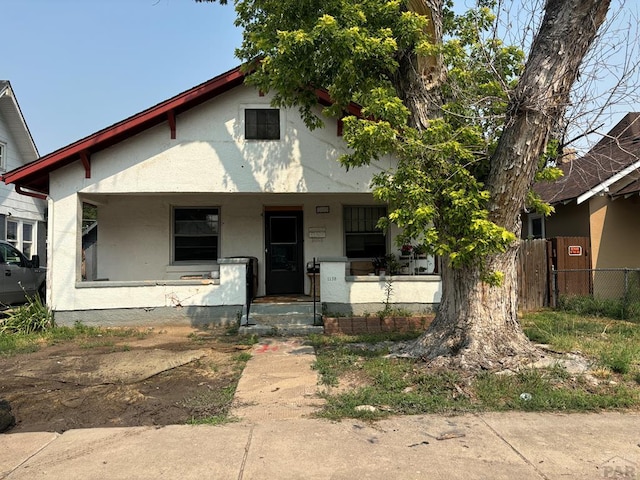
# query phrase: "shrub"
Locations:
[[33, 316]]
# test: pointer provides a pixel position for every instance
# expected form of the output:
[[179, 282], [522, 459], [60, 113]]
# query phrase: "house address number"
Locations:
[[332, 279]]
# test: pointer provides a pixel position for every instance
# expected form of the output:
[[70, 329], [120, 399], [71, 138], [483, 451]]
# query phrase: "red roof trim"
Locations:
[[325, 99]]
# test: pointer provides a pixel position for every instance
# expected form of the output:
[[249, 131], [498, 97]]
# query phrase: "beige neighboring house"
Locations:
[[22, 217], [192, 191], [598, 197]]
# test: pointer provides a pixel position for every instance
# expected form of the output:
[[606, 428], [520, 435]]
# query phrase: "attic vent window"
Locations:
[[262, 124]]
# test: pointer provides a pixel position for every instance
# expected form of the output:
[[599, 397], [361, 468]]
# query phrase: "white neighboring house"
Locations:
[[22, 217], [186, 187]]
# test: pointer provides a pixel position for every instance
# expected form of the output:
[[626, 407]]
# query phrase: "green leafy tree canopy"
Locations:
[[354, 50]]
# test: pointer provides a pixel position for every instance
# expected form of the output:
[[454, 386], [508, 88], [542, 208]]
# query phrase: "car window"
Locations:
[[10, 255]]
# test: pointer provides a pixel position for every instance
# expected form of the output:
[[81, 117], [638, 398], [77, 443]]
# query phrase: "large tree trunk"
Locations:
[[477, 325]]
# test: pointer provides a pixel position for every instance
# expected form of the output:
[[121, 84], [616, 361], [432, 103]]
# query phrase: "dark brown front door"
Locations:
[[284, 252]]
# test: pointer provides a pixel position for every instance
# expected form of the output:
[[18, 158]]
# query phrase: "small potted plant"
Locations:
[[420, 251], [405, 250], [380, 265]]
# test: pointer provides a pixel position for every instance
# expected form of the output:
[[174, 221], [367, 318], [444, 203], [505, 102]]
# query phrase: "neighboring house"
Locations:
[[22, 217], [598, 198], [186, 187]]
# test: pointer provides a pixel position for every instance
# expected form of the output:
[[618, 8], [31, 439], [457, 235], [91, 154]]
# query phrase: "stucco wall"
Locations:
[[211, 155], [348, 295], [569, 220], [134, 232], [135, 185], [228, 290], [614, 232]]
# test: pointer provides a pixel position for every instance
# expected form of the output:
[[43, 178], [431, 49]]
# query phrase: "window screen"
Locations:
[[195, 232], [262, 124], [362, 238]]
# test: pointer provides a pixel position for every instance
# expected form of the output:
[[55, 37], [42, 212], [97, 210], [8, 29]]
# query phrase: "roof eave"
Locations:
[[604, 186]]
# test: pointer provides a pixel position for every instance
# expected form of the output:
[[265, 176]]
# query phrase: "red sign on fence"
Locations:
[[575, 250]]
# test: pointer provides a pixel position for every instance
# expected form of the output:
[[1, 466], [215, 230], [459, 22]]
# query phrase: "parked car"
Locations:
[[19, 277]]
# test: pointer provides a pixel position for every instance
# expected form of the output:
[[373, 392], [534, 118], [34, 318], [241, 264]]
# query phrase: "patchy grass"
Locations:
[[614, 344], [12, 343], [550, 390], [379, 385], [339, 356], [596, 307], [212, 407]]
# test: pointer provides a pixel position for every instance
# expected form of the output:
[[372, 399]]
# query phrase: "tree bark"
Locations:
[[418, 78], [477, 326]]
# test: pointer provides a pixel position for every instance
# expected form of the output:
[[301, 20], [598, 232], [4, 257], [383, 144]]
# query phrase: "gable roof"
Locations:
[[612, 166], [15, 122], [34, 176]]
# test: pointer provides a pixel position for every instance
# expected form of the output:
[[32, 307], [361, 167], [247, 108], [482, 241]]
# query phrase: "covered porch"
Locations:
[[158, 258]]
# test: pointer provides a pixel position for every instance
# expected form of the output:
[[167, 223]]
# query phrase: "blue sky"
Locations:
[[78, 66]]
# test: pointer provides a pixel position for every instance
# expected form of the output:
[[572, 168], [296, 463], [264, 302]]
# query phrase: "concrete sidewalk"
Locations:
[[492, 446], [281, 441]]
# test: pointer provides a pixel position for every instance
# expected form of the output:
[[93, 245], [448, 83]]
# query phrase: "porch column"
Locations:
[[333, 283], [233, 280]]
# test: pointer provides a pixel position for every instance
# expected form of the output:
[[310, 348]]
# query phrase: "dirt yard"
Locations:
[[166, 376]]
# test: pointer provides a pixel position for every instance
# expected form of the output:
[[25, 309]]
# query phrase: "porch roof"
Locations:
[[34, 176]]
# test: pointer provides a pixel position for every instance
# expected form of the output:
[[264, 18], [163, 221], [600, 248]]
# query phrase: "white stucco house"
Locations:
[[22, 217], [186, 187]]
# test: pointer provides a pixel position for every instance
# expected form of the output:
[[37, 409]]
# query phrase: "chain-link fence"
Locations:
[[613, 292]]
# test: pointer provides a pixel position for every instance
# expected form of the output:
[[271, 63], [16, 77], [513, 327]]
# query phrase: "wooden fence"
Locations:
[[533, 274]]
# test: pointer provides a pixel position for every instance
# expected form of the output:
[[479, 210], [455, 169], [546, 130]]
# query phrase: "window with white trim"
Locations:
[[3, 156], [536, 226], [362, 238], [21, 234], [196, 234]]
